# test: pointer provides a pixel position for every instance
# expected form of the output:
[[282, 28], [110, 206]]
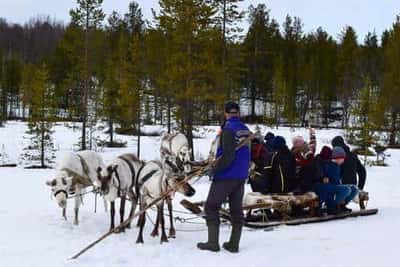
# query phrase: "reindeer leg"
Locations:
[[105, 205], [112, 214], [154, 233], [133, 208], [172, 231], [163, 234], [64, 213], [142, 221], [122, 211], [77, 204], [76, 221]]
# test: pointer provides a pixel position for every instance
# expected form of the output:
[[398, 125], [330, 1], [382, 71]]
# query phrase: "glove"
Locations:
[[209, 172]]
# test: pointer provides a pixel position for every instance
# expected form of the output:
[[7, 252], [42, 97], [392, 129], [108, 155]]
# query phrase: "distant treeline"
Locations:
[[182, 66]]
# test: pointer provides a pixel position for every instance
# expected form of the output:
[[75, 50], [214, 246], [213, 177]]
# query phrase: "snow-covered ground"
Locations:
[[33, 233]]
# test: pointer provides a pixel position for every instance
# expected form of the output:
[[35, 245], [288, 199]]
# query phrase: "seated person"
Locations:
[[282, 170], [261, 158], [330, 190], [352, 166], [304, 154]]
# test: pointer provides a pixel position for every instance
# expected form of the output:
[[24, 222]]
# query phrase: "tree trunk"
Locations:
[[169, 114], [393, 128], [138, 129], [111, 129]]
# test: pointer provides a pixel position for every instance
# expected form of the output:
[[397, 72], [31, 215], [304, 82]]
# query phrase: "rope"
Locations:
[[80, 195]]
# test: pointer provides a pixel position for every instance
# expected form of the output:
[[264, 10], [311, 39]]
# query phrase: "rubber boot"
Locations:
[[213, 238], [233, 244]]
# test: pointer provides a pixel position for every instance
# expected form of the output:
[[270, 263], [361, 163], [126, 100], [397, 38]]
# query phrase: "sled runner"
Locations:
[[264, 211]]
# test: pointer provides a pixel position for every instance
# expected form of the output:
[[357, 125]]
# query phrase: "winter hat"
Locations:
[[269, 136], [338, 141], [298, 141], [279, 142], [338, 153], [232, 107], [326, 153]]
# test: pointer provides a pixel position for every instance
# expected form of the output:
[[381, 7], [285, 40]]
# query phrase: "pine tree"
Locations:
[[365, 124], [348, 71], [279, 89], [228, 18], [88, 16], [262, 47], [391, 80], [190, 31], [41, 120]]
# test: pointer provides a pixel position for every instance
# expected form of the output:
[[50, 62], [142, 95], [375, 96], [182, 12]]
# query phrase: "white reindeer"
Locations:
[[154, 183], [176, 160], [75, 172]]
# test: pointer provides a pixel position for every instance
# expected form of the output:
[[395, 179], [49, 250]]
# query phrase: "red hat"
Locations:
[[326, 153]]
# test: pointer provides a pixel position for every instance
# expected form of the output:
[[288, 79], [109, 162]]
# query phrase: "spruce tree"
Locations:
[[40, 150], [88, 15], [391, 80]]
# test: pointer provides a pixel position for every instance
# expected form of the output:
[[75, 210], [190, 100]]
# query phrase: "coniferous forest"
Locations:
[[179, 68]]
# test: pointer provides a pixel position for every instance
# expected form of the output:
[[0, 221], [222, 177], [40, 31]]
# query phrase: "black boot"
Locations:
[[345, 209], [213, 238], [233, 244]]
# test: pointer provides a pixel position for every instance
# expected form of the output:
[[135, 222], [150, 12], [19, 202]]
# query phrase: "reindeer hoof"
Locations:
[[128, 226], [172, 234], [139, 241], [119, 230], [164, 240], [154, 234], [76, 222]]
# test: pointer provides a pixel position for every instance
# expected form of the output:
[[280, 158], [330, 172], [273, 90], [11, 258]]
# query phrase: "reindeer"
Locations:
[[176, 160], [75, 173], [152, 184], [119, 180]]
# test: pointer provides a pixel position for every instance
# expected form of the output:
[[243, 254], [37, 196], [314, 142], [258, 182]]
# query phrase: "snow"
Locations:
[[33, 233]]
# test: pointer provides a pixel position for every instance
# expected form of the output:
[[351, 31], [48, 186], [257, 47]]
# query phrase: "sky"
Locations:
[[332, 15]]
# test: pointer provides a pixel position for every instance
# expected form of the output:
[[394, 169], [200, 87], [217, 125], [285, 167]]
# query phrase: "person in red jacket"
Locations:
[[304, 154]]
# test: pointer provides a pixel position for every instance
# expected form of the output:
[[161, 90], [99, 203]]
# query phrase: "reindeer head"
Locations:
[[61, 186], [183, 159], [105, 178], [181, 185]]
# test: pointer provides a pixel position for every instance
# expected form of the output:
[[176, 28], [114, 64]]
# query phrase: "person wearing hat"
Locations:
[[228, 179], [304, 154], [337, 195], [269, 141], [352, 168], [282, 170]]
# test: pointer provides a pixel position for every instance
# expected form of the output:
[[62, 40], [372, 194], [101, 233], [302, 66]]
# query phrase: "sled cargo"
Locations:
[[264, 211]]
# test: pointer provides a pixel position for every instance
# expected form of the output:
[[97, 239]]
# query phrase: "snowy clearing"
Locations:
[[33, 232]]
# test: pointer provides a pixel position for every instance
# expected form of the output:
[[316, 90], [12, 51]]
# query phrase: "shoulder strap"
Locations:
[[85, 167], [133, 176]]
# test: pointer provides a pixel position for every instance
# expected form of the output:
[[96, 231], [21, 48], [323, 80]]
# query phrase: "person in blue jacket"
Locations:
[[330, 190], [228, 179]]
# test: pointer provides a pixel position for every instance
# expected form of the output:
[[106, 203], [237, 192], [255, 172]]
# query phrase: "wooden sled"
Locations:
[[285, 205]]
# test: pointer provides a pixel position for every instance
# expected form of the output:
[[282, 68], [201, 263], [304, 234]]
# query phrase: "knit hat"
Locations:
[[326, 153], [338, 153], [279, 142], [338, 141], [298, 141], [232, 107], [269, 136]]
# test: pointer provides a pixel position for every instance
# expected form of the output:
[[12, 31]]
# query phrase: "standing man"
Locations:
[[229, 175]]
